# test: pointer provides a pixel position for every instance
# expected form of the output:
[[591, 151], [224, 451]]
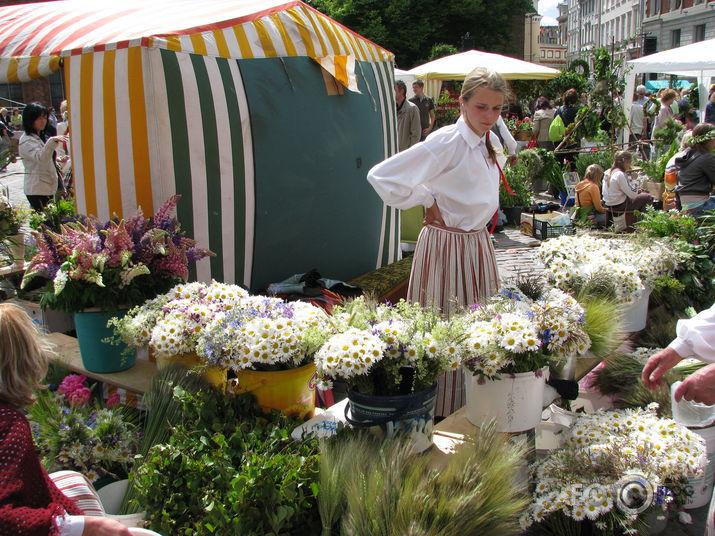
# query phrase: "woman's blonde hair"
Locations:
[[24, 356], [483, 78], [620, 159], [594, 173]]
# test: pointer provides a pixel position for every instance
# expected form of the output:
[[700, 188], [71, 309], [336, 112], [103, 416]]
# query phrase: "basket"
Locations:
[[542, 229]]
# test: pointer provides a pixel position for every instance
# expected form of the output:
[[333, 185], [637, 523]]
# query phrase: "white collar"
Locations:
[[471, 137]]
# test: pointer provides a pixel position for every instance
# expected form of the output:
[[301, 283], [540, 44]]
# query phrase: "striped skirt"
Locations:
[[452, 269]]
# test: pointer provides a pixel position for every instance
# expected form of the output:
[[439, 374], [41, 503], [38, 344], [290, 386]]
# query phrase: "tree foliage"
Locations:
[[409, 28]]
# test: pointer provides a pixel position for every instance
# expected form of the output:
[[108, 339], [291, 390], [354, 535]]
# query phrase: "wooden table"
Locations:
[[136, 379]]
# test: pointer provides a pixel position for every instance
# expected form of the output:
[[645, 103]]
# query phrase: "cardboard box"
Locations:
[[49, 320]]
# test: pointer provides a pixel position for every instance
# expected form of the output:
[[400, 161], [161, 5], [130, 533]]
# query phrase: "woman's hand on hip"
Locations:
[[433, 215]]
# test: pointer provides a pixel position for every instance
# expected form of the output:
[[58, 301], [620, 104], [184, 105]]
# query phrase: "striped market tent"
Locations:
[[265, 116]]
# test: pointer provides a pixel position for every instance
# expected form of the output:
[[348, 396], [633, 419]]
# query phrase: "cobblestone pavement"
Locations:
[[516, 254]]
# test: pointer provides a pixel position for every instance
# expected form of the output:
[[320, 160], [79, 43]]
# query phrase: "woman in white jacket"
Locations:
[[40, 171]]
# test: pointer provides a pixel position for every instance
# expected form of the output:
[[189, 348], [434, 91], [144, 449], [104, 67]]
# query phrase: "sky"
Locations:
[[549, 12]]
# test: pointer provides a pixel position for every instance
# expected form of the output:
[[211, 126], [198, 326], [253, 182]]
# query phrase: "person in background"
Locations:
[[455, 175], [408, 118], [619, 193], [31, 504], [696, 170], [16, 119], [568, 112], [666, 111], [4, 116], [710, 108], [41, 179], [638, 122], [543, 116], [426, 107], [695, 337], [588, 197], [52, 118]]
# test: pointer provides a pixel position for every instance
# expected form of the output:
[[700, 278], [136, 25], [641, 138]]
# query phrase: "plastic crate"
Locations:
[[542, 229]]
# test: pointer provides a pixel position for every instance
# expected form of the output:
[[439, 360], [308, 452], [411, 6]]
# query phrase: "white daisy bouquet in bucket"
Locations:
[[170, 324], [513, 333], [630, 265], [384, 349], [614, 468], [264, 334]]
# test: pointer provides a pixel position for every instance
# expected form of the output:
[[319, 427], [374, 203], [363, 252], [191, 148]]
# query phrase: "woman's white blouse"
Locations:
[[451, 167]]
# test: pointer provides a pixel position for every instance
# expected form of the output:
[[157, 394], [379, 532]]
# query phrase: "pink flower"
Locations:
[[70, 383], [79, 397], [113, 400]]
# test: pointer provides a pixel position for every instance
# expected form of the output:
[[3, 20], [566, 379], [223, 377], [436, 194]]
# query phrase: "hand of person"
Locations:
[[426, 131], [62, 159], [60, 139], [657, 365], [103, 526], [433, 215], [698, 387]]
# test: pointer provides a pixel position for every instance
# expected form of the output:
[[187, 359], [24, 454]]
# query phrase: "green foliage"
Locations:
[[385, 490], [54, 214], [440, 50], [580, 66], [528, 90], [409, 28], [668, 135], [587, 124], [446, 110], [230, 469], [602, 158], [542, 164], [556, 87], [655, 169], [601, 322], [517, 175]]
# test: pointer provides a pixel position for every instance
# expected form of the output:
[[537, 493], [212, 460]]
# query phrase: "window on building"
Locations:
[[57, 89], [699, 33], [657, 7], [675, 38], [10, 94]]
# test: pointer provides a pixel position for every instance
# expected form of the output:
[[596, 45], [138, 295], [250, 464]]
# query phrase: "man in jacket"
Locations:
[[409, 129]]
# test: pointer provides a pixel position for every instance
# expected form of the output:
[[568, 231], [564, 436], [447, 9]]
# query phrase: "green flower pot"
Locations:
[[98, 356]]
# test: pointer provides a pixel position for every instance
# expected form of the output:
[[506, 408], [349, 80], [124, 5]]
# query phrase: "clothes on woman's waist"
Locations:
[[452, 168]]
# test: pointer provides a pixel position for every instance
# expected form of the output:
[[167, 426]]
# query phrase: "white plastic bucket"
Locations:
[[702, 488], [513, 401], [635, 315]]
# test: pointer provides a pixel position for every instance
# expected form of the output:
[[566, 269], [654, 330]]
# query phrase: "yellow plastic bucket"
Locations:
[[289, 391], [216, 376]]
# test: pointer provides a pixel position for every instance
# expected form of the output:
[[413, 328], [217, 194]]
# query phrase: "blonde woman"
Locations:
[[31, 504], [455, 175], [588, 197]]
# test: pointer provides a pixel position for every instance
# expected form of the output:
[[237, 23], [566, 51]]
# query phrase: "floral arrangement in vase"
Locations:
[[631, 266], [105, 265], [265, 334], [170, 324], [74, 433], [385, 349], [612, 467], [514, 333]]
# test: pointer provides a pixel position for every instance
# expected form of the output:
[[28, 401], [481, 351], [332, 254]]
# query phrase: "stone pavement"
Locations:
[[12, 177], [516, 254]]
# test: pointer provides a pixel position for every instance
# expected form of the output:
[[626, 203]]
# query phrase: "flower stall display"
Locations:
[[95, 268], [511, 341], [630, 267], [390, 356], [74, 433], [614, 469], [12, 241]]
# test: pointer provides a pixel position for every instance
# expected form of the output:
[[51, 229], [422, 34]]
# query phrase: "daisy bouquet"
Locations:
[[171, 323], [386, 349], [630, 266], [108, 264], [514, 333], [263, 333], [614, 465], [74, 433]]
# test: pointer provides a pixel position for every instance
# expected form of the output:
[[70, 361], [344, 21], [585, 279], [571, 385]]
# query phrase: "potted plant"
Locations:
[[513, 203], [616, 468], [12, 240], [628, 265], [390, 356], [523, 129], [74, 432], [97, 270], [511, 341]]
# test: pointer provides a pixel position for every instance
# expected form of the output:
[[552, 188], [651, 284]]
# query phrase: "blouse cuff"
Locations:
[[681, 347], [70, 525]]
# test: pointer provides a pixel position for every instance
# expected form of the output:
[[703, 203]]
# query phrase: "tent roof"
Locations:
[[688, 60], [32, 36], [458, 66]]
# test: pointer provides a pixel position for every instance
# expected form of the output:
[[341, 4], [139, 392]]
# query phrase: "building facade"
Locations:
[[552, 52], [674, 23]]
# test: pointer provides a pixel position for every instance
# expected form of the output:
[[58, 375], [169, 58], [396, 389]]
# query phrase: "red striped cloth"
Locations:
[[452, 269], [75, 486]]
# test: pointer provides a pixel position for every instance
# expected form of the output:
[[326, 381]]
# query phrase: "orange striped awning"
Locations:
[[35, 35]]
